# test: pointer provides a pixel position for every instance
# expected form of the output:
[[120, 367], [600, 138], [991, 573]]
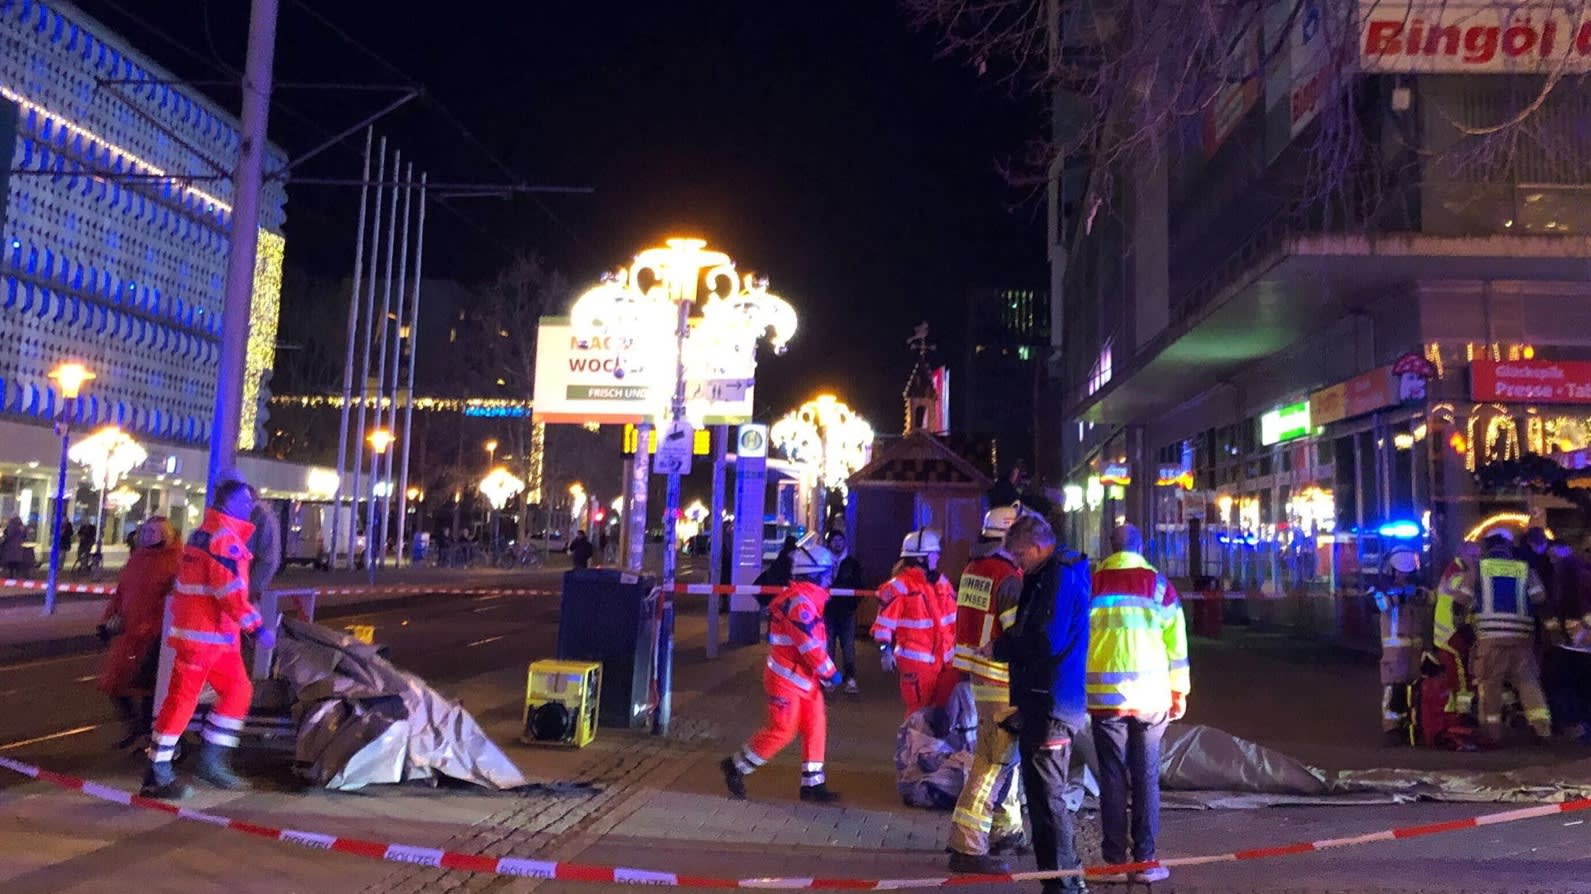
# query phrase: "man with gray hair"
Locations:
[[1046, 648]]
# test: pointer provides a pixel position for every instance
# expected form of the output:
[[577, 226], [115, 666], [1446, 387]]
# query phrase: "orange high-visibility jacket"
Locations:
[[210, 601], [919, 618], [797, 640]]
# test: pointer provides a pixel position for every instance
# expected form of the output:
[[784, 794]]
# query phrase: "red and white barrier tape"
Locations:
[[748, 590], [581, 872], [23, 584], [107, 589]]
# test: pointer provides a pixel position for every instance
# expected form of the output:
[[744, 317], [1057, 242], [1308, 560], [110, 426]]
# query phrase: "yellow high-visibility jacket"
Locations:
[[1137, 639]]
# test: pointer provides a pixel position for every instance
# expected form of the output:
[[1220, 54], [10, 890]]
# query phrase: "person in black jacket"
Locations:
[[840, 613], [1047, 649]]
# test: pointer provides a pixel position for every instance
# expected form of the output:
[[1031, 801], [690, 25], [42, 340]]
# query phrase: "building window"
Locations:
[[1099, 375]]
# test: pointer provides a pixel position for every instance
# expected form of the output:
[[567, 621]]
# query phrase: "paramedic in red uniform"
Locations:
[[209, 610], [798, 670], [916, 624]]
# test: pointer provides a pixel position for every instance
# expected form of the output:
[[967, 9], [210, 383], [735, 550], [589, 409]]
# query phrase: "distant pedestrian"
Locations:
[[1046, 649], [1138, 681], [580, 550], [65, 538], [131, 623], [839, 616], [777, 574], [87, 540], [15, 557]]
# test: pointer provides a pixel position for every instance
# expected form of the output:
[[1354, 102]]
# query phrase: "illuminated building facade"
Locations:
[[113, 249], [1279, 388]]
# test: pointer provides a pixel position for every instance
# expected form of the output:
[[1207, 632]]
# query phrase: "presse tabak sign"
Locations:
[[1531, 381]]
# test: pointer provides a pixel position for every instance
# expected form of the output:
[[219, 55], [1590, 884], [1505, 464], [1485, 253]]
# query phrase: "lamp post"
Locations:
[[379, 440], [498, 487], [109, 454], [491, 463], [70, 378], [661, 288], [830, 440]]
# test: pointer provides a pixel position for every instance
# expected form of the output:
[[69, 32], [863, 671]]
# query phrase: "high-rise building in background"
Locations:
[[1007, 341], [113, 252]]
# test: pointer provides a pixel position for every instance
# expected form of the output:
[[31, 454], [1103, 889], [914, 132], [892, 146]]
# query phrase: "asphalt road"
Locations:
[[51, 711]]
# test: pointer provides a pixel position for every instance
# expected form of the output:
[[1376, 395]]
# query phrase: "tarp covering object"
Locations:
[[362, 721]]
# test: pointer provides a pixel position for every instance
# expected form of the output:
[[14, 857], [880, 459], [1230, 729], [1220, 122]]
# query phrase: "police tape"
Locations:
[[583, 872], [403, 590], [17, 583], [748, 590]]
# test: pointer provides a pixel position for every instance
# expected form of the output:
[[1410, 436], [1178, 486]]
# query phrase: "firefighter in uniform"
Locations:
[[1401, 601], [988, 816], [1451, 632], [916, 624], [209, 609], [798, 669], [1501, 593]]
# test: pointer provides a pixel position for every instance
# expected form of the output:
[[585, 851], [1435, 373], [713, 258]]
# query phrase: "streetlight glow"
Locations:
[[500, 486], [380, 440], [70, 377]]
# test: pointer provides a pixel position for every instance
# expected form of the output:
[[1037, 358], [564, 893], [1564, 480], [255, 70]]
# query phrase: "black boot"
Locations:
[[1015, 844], [132, 727], [734, 780], [161, 782], [215, 767], [819, 794]]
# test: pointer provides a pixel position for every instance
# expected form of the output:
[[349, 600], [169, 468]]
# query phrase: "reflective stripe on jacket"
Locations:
[[1502, 591], [986, 603], [210, 600], [1138, 642], [919, 622], [797, 639]]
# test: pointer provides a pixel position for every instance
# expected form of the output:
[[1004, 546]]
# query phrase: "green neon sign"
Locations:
[[1287, 423]]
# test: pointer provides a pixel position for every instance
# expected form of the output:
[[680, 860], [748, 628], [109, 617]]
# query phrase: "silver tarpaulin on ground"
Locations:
[[1203, 767], [362, 721]]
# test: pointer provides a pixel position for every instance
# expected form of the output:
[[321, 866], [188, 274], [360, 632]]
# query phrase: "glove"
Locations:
[[833, 683], [887, 659], [1179, 705], [265, 638]]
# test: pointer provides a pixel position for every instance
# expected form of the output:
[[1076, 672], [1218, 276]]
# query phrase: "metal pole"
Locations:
[[408, 391], [389, 457], [364, 362], [715, 552], [60, 509], [371, 546], [677, 415], [635, 500], [243, 242], [348, 363]]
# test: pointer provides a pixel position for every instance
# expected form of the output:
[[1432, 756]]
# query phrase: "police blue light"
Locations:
[[1401, 530]]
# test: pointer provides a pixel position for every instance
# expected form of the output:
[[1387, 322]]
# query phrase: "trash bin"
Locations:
[[611, 617]]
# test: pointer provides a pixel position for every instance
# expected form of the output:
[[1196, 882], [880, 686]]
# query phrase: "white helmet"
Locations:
[[919, 543], [997, 521], [811, 559], [1404, 561], [1502, 531]]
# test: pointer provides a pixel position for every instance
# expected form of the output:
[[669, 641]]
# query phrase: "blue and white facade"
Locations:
[[113, 251]]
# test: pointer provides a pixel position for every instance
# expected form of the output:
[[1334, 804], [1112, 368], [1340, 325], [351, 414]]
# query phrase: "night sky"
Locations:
[[821, 143]]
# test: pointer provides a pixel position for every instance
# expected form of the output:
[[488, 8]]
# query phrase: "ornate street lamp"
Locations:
[[379, 439], [498, 487], [109, 454], [828, 438], [660, 290], [70, 378]]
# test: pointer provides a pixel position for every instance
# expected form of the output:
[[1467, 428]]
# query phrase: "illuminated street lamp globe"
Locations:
[[500, 486], [108, 454], [828, 437]]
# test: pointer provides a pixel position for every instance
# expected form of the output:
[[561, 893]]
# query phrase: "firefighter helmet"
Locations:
[[811, 559], [919, 543], [997, 521]]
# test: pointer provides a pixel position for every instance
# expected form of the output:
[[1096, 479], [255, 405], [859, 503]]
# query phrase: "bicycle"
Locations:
[[88, 564]]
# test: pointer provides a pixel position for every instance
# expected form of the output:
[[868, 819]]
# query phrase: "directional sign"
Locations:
[[674, 449]]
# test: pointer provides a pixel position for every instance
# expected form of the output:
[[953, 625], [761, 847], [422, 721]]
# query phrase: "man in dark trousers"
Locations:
[[1047, 650], [839, 616]]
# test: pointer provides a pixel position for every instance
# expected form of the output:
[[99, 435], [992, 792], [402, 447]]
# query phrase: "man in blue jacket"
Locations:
[[1047, 649]]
